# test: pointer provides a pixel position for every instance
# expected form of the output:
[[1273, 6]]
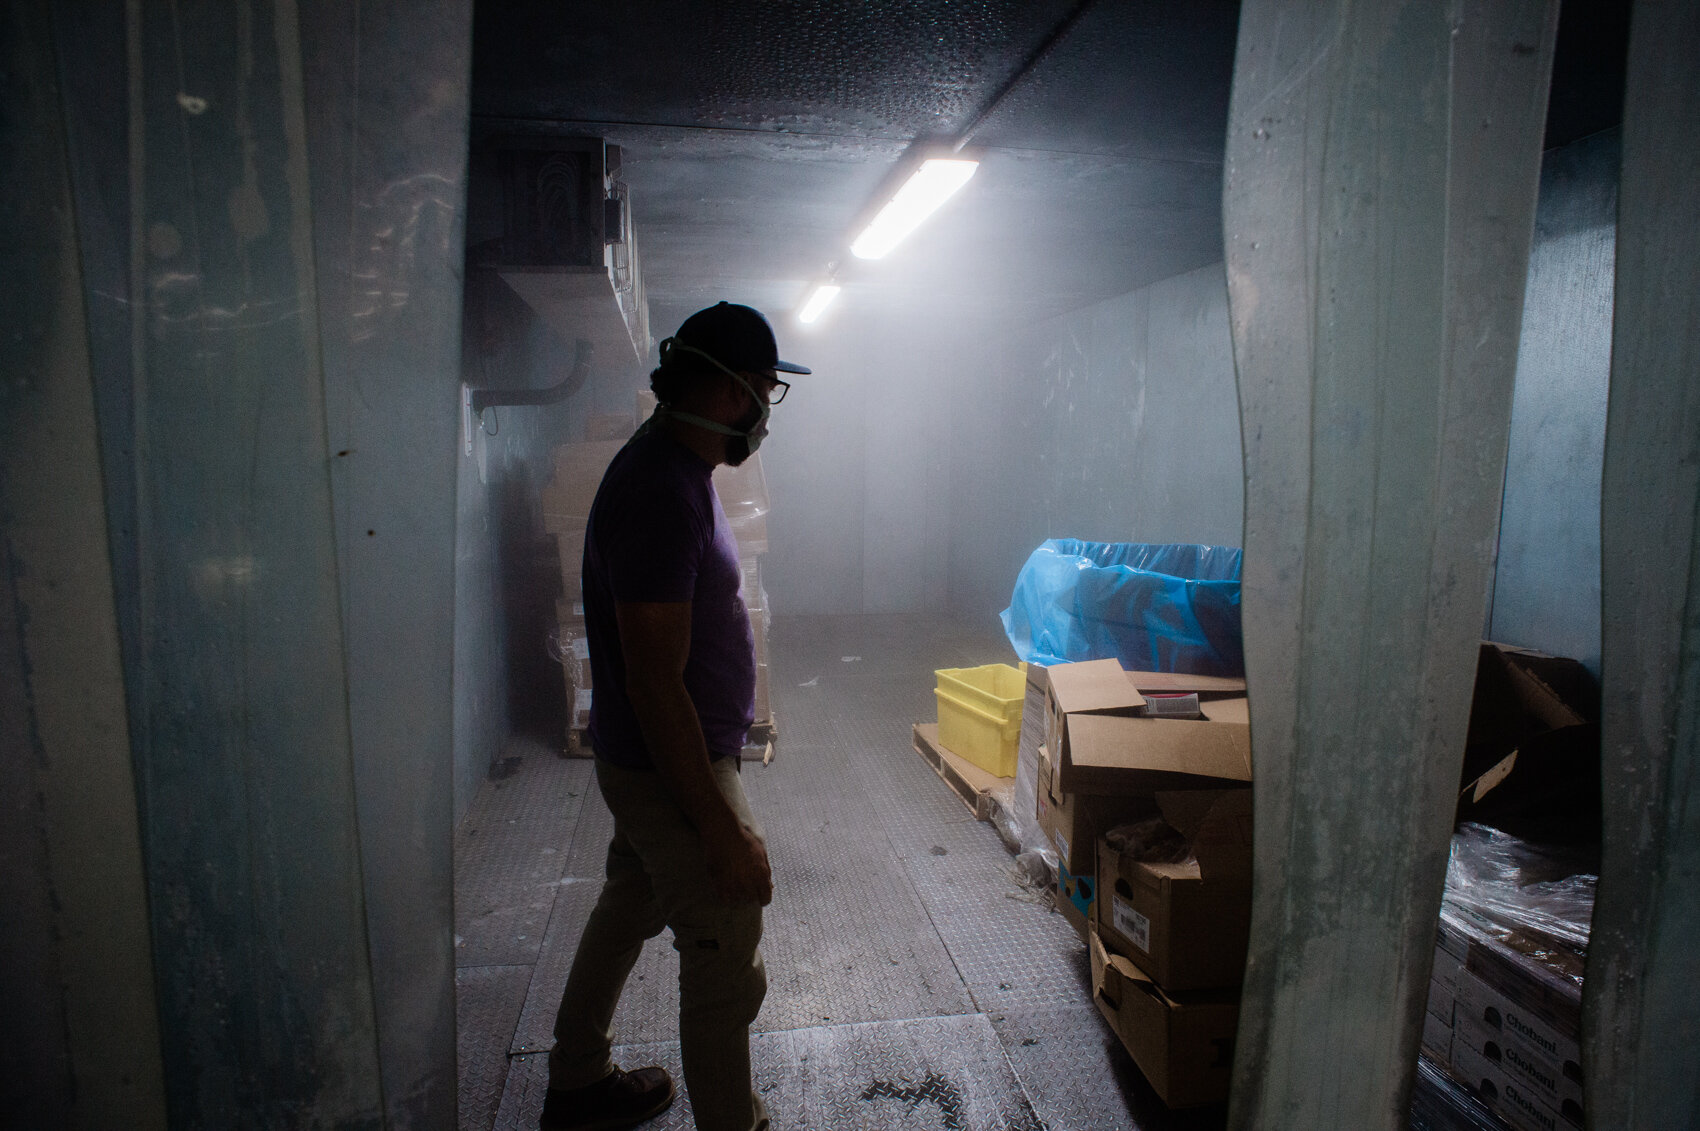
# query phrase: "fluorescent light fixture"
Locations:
[[819, 301], [935, 182]]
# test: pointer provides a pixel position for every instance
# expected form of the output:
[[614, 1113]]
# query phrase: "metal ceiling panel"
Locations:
[[755, 134]]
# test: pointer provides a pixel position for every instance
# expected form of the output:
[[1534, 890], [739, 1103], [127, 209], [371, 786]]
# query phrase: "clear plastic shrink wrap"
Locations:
[[1544, 896]]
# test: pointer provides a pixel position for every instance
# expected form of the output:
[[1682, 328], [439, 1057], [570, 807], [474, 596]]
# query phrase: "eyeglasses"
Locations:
[[778, 391]]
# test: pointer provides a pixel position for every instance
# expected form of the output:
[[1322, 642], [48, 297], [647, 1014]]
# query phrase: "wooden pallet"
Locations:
[[763, 742], [974, 786]]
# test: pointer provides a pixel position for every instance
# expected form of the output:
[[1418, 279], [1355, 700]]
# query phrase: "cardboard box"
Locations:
[[1184, 1047], [1443, 984], [1076, 896], [758, 633], [609, 426], [569, 545], [750, 532], [764, 701], [1542, 981], [1451, 946], [578, 470], [1437, 1039], [1534, 1075], [1524, 1047], [1186, 925], [750, 586], [1099, 744], [581, 708], [1038, 679], [1507, 1098], [575, 655], [1532, 753], [1072, 823], [743, 496]]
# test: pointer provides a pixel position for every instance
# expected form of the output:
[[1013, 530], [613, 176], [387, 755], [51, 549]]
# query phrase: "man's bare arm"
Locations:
[[656, 638]]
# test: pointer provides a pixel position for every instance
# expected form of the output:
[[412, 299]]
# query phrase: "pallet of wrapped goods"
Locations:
[[570, 647], [743, 496], [1508, 973]]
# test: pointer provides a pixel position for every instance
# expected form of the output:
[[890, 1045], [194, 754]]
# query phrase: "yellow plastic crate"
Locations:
[[980, 714]]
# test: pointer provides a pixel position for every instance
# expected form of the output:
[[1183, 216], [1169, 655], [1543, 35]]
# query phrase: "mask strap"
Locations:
[[668, 346]]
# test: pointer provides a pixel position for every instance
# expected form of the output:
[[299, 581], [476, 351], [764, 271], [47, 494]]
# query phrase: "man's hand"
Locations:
[[737, 865], [657, 642]]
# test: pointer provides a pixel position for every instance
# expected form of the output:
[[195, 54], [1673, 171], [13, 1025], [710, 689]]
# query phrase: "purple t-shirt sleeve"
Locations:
[[653, 544]]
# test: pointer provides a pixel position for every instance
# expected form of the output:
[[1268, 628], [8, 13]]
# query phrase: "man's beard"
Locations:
[[738, 447]]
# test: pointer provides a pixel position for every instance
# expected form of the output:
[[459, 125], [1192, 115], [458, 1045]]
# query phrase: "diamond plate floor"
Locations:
[[948, 1072], [912, 983]]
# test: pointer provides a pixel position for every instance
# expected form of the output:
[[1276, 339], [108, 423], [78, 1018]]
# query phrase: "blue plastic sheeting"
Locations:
[[1165, 608]]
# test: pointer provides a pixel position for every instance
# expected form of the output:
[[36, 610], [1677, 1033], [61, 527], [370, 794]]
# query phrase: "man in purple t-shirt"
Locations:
[[673, 663]]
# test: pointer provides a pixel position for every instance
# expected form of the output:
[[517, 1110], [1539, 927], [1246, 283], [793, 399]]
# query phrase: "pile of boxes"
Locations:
[[1121, 782], [743, 496], [1504, 1003], [1167, 940], [1504, 1020], [576, 473]]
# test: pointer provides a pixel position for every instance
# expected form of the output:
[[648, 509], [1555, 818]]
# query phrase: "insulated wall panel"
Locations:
[[1383, 162], [386, 97], [1546, 591], [1642, 996], [79, 1046], [246, 772]]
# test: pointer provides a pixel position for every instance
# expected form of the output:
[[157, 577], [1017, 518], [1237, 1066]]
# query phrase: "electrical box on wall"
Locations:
[[554, 194]]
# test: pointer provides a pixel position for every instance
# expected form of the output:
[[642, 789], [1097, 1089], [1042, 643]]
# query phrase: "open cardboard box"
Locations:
[[1186, 924], [1100, 744], [1185, 1048], [1073, 822], [1532, 755]]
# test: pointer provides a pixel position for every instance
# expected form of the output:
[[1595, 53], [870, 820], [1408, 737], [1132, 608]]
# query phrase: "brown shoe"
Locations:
[[618, 1100]]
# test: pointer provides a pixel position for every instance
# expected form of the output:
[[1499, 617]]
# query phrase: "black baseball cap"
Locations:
[[738, 337]]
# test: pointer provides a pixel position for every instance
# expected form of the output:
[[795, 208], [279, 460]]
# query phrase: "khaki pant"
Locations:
[[657, 878]]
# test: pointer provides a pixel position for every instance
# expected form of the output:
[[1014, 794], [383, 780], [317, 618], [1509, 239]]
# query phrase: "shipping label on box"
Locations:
[[1185, 1046], [1186, 924], [1129, 923]]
